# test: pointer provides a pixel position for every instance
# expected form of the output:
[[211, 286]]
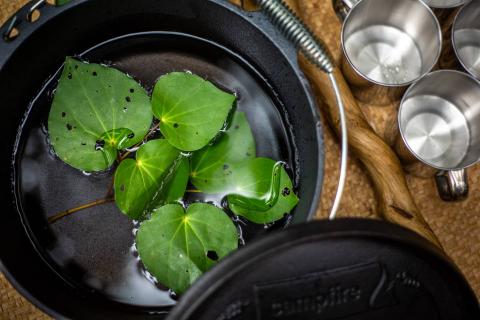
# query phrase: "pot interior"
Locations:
[[95, 248]]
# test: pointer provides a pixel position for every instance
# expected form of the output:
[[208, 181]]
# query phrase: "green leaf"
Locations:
[[252, 178], [191, 110], [159, 174], [267, 201], [177, 246], [176, 184], [96, 110], [210, 166]]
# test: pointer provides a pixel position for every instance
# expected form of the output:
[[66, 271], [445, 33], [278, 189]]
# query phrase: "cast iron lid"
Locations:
[[344, 269]]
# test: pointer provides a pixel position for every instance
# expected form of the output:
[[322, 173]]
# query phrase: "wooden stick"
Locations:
[[395, 203]]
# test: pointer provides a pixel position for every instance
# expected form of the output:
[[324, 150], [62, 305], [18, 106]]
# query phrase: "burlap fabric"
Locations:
[[457, 225]]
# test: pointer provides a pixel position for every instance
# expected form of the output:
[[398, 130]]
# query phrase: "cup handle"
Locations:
[[452, 185], [342, 7]]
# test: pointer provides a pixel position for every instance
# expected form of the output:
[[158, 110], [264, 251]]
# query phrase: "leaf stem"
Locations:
[[152, 131], [68, 212], [194, 191], [109, 193]]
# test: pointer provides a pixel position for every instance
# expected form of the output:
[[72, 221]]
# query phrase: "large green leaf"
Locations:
[[177, 246], [158, 175], [252, 178], [191, 110], [210, 166], [175, 184], [96, 110]]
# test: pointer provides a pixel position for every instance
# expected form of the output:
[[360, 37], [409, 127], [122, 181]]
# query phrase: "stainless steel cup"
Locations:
[[446, 11], [439, 122], [445, 4], [466, 37], [387, 45]]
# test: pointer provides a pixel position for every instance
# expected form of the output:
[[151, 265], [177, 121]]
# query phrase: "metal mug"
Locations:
[[439, 122], [387, 45], [466, 38], [446, 11]]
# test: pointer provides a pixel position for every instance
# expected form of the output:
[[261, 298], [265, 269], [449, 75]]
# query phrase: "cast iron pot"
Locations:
[[349, 269], [82, 27]]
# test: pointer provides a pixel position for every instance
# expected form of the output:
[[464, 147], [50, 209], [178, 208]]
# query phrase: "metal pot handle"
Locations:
[[343, 7], [315, 51], [14, 21], [22, 23], [452, 185]]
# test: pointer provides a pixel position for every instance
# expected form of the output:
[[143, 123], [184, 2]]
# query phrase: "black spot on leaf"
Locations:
[[83, 144], [69, 76], [63, 114], [94, 73], [132, 90], [99, 144], [225, 166], [237, 127], [175, 125], [131, 135], [128, 99], [212, 255], [122, 188], [69, 126], [285, 192]]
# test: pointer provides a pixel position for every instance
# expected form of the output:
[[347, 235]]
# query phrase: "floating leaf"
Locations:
[[267, 201], [177, 246], [191, 110], [96, 110], [252, 178], [210, 166], [175, 186], [116, 139], [159, 174]]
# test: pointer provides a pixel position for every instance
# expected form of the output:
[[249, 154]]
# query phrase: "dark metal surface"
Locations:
[[355, 269]]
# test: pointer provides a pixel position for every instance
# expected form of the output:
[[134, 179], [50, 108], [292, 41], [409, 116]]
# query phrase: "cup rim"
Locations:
[[401, 107], [455, 49], [463, 2], [388, 85]]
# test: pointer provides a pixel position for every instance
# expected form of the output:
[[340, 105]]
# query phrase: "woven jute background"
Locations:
[[457, 225]]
